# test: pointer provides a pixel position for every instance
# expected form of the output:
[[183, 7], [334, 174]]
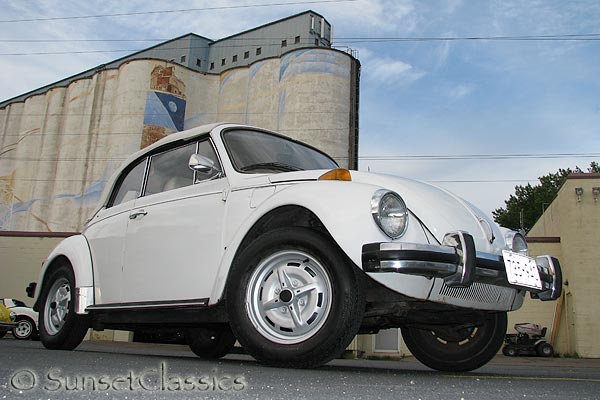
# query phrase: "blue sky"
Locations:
[[418, 98]]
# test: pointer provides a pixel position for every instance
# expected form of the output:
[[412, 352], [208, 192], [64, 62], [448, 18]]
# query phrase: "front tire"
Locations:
[[293, 298], [210, 343], [60, 327], [25, 329], [462, 350], [509, 351]]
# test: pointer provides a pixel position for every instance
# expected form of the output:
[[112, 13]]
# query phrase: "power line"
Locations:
[[568, 37], [164, 49], [481, 180], [582, 36], [79, 40], [338, 42], [476, 156], [129, 14]]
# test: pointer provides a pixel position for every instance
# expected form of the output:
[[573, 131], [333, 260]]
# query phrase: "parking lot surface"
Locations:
[[103, 370]]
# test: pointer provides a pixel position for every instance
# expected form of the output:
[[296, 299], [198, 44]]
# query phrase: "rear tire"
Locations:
[[544, 350], [210, 343], [463, 350], [60, 328], [293, 298]]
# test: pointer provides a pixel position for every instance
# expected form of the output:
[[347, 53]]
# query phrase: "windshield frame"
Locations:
[[240, 169]]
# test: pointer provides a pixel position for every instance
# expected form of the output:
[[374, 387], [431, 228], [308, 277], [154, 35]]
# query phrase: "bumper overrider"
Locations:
[[459, 264]]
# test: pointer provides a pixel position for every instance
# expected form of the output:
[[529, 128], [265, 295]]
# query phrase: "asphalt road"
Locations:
[[106, 370]]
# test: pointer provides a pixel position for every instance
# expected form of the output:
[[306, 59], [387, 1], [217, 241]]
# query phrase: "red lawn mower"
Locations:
[[529, 340]]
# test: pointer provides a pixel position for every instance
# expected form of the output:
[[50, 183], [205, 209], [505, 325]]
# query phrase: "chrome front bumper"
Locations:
[[458, 263]]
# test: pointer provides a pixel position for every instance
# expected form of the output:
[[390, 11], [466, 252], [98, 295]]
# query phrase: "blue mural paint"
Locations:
[[227, 78], [254, 68], [287, 59], [315, 61], [166, 110], [281, 113], [91, 196], [199, 119]]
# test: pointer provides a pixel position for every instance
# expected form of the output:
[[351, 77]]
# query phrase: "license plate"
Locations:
[[521, 270]]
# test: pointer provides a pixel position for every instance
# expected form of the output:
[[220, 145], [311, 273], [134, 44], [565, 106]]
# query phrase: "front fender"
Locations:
[[76, 249], [344, 208]]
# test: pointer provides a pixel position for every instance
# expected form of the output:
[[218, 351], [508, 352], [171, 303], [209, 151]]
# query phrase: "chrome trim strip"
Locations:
[[393, 246], [422, 268], [150, 304]]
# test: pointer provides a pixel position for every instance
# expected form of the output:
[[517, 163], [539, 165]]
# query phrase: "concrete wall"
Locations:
[[570, 231], [58, 149], [20, 262]]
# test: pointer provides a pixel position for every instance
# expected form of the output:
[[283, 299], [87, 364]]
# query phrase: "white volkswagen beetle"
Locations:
[[233, 232]]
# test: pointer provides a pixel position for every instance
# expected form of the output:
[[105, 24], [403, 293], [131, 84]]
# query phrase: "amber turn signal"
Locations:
[[339, 174]]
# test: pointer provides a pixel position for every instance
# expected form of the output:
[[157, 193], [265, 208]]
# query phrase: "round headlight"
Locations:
[[516, 242], [12, 316], [389, 212]]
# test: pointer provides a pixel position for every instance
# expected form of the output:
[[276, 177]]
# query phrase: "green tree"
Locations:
[[527, 204]]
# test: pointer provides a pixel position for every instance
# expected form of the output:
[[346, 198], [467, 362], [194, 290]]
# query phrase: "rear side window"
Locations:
[[130, 187]]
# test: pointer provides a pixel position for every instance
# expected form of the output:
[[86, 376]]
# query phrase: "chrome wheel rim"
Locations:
[[288, 298], [57, 304], [23, 329]]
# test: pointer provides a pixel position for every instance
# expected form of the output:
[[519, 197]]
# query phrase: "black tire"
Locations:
[[2, 334], [464, 350], [210, 343], [59, 327], [293, 299], [509, 351], [544, 349], [25, 329]]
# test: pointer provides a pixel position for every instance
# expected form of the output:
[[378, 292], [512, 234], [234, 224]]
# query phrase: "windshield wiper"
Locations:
[[277, 166]]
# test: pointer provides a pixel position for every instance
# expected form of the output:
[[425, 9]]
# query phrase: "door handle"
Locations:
[[138, 213]]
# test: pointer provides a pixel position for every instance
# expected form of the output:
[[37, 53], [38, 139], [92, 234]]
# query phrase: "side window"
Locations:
[[205, 149], [131, 185], [170, 170]]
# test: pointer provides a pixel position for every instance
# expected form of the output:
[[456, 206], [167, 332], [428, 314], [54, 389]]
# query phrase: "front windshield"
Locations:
[[258, 152]]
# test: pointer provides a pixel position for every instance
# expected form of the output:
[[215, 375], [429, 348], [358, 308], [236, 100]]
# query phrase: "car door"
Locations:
[[106, 234], [173, 244]]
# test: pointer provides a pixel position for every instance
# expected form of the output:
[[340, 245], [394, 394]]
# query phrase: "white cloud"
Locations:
[[389, 71], [459, 91], [373, 16]]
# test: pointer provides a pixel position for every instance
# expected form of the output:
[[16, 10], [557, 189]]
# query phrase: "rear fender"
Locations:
[[76, 251]]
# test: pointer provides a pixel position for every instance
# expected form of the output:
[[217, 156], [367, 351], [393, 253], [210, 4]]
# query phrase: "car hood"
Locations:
[[439, 210]]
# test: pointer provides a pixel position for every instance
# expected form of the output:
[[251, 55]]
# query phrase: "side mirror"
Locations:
[[199, 163]]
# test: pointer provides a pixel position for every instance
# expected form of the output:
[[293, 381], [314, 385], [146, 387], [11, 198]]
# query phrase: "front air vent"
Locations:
[[478, 295]]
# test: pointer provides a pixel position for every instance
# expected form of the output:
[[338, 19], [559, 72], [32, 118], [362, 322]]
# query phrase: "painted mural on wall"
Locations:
[[165, 105], [303, 94], [16, 213]]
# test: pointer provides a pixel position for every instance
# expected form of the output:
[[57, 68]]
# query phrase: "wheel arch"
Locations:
[[280, 217], [290, 215], [74, 251]]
